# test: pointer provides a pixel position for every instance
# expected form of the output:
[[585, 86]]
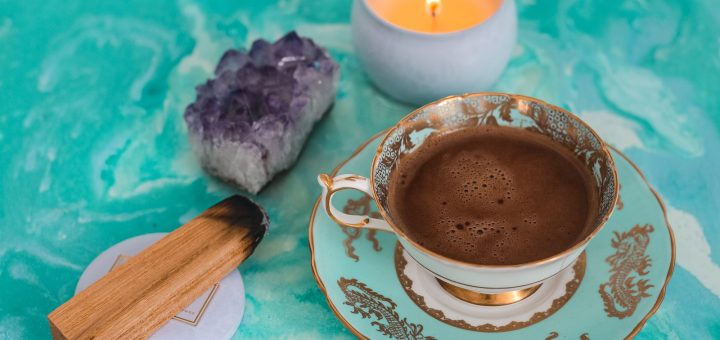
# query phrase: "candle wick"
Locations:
[[433, 8]]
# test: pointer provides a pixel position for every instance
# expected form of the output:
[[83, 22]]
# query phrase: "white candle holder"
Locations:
[[417, 68]]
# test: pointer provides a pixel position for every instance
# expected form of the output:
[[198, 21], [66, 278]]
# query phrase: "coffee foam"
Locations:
[[469, 196]]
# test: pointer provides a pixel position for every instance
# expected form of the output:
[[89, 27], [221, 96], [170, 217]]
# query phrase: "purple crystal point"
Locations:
[[252, 119]]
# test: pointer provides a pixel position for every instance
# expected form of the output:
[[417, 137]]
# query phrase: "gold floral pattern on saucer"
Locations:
[[360, 206], [372, 305], [570, 287], [554, 335], [623, 291]]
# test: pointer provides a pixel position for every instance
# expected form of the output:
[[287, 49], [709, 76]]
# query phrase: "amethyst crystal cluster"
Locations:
[[252, 120]]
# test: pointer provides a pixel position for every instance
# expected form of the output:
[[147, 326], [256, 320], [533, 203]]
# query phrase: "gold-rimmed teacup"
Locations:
[[472, 282]]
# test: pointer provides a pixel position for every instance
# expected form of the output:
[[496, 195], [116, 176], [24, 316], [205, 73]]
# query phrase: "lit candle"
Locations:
[[435, 16], [421, 50]]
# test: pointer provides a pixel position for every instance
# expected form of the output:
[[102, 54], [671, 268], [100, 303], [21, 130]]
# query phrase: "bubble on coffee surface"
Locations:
[[479, 184], [478, 180], [470, 233]]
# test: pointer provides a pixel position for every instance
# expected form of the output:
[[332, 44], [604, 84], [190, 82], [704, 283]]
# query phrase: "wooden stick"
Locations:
[[140, 296]]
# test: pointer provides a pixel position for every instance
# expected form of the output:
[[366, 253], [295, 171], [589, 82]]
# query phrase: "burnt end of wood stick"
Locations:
[[242, 212], [140, 296]]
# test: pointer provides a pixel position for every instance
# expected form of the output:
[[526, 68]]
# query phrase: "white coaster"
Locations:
[[214, 315]]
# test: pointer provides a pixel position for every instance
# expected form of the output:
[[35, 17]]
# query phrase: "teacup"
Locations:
[[485, 284]]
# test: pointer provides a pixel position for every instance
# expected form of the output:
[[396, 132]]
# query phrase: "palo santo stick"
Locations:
[[140, 296]]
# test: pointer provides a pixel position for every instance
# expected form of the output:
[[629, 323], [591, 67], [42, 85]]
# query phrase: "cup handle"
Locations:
[[332, 185]]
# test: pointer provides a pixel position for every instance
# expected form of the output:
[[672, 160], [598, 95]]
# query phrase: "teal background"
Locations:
[[93, 149]]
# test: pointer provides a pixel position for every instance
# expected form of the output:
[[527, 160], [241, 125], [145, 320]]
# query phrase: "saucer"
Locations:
[[377, 290]]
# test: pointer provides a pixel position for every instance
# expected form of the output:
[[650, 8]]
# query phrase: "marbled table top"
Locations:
[[94, 149]]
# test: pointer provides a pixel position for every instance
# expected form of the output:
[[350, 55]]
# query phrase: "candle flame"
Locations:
[[433, 7]]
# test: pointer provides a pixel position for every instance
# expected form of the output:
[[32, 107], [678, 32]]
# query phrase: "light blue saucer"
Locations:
[[627, 268]]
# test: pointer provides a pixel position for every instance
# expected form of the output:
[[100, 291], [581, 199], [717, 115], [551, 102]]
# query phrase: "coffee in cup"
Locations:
[[493, 195]]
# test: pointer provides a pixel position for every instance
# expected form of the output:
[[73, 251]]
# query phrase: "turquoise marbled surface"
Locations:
[[94, 148]]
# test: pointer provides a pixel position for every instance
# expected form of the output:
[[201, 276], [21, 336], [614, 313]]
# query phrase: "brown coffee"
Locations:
[[493, 195]]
